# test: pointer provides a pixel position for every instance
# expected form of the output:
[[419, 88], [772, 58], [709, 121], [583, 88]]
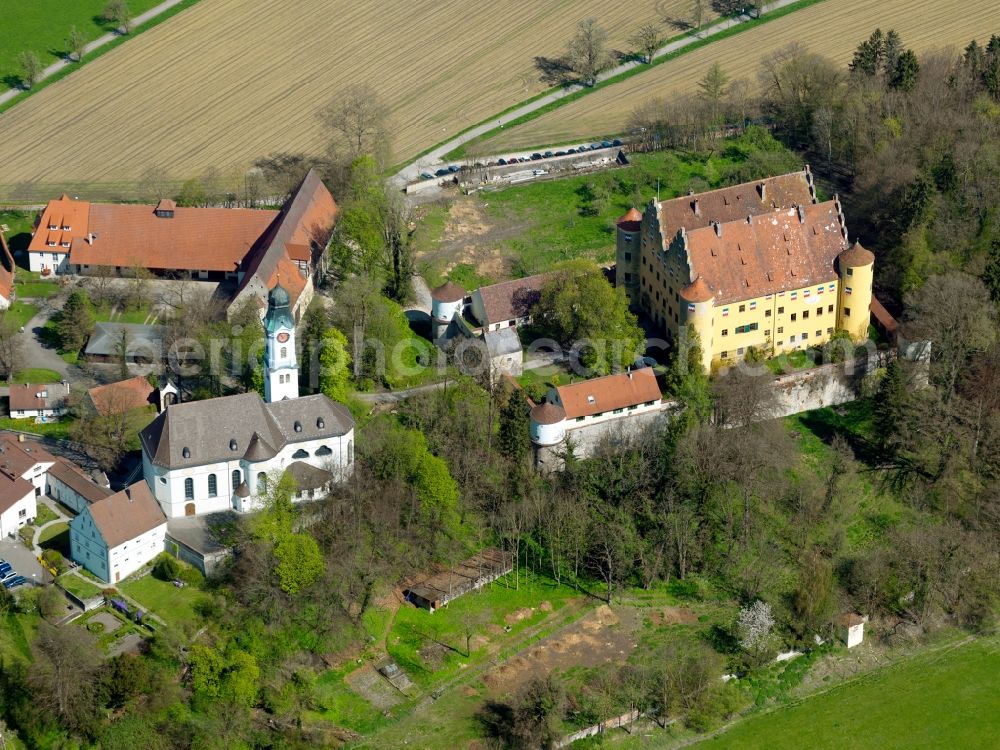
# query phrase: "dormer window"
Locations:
[[232, 444], [51, 243], [186, 453], [66, 228], [297, 426], [65, 244], [53, 227], [320, 423], [591, 400]]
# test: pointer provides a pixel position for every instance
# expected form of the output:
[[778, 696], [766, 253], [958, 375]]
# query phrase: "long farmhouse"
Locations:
[[248, 249]]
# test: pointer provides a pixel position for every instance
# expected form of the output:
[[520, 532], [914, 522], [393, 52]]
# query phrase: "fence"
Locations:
[[619, 722]]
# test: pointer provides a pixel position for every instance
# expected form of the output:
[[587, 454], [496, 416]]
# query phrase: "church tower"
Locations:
[[281, 371]]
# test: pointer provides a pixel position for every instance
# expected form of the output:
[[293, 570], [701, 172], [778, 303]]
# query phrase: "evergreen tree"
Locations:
[[892, 48], [973, 58], [890, 404], [687, 381], [904, 74], [76, 321], [868, 57], [991, 275], [514, 440]]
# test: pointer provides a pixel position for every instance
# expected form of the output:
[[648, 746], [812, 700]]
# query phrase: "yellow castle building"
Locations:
[[762, 265]]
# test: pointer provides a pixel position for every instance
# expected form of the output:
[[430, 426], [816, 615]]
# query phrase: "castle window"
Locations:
[[847, 312], [725, 355], [818, 334], [628, 256], [805, 336], [829, 308], [791, 339], [189, 489], [743, 308], [850, 271], [829, 330], [725, 331], [780, 343], [805, 315], [213, 487], [740, 351], [628, 277], [781, 311], [793, 317], [580, 419], [236, 479], [767, 313], [819, 310]]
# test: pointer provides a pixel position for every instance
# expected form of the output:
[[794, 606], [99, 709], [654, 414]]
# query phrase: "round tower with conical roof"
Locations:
[[547, 425], [446, 303], [856, 267], [698, 311], [281, 369], [627, 249]]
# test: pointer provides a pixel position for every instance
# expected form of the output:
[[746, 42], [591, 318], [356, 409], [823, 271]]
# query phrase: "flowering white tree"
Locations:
[[754, 625]]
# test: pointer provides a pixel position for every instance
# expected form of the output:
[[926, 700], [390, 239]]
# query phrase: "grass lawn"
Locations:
[[34, 289], [59, 429], [79, 587], [56, 537], [43, 25], [36, 375], [173, 605], [21, 312], [338, 704], [935, 700], [575, 216], [43, 514], [17, 630], [107, 314]]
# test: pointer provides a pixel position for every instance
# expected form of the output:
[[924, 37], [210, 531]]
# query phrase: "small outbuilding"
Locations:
[[469, 575], [851, 629]]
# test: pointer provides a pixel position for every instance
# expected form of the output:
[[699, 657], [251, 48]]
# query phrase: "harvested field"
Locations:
[[832, 27], [228, 81]]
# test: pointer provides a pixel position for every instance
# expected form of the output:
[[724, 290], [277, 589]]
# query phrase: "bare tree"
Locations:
[[647, 40], [76, 42], [154, 183], [31, 68], [587, 54], [118, 12], [697, 13], [63, 674], [358, 120], [10, 346]]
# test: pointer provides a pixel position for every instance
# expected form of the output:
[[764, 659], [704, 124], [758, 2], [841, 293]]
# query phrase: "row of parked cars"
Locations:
[[9, 577], [537, 156]]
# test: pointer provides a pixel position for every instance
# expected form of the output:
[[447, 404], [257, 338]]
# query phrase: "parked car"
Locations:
[[594, 146], [605, 144], [536, 156], [502, 162], [453, 168], [442, 173], [15, 581], [571, 151], [5, 568], [426, 176], [522, 159], [548, 154], [616, 142], [560, 153]]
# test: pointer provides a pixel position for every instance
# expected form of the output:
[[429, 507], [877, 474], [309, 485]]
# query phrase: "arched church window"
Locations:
[[261, 482], [213, 487], [284, 352], [323, 450], [236, 479], [189, 489], [300, 454]]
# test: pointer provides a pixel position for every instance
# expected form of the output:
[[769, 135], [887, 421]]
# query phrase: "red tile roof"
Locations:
[[448, 292], [125, 395], [601, 395], [17, 457], [125, 515], [27, 397], [697, 291], [735, 202], [765, 254], [857, 256], [13, 491], [546, 413], [74, 478], [631, 221]]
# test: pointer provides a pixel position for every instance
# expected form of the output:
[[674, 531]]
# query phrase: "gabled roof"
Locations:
[[142, 339], [601, 395], [62, 212], [124, 395], [13, 491], [76, 480], [769, 253], [17, 457], [504, 341], [127, 514], [511, 299], [222, 429], [308, 477], [306, 219], [735, 202], [28, 396]]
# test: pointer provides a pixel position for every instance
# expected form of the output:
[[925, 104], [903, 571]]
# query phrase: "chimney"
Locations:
[[20, 437], [762, 189], [696, 207], [718, 229], [802, 214]]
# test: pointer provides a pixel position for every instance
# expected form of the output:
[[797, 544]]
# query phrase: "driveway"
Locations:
[[33, 352], [23, 560]]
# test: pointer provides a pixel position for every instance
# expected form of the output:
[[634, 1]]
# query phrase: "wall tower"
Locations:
[[856, 267], [697, 310]]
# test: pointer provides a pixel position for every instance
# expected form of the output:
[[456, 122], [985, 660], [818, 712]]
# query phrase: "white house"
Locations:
[[509, 303], [117, 535], [17, 505], [208, 456], [47, 401], [24, 459]]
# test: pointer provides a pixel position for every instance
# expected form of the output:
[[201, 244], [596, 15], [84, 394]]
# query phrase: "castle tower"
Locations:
[[281, 370], [856, 267], [699, 312], [627, 249], [446, 303], [547, 425]]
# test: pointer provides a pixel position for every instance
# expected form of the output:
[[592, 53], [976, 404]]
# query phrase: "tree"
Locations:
[[31, 68], [955, 313], [579, 309], [991, 274], [10, 345], [712, 90], [586, 53], [869, 56], [192, 194], [537, 713], [812, 600], [890, 404], [514, 440], [358, 122], [76, 42], [118, 13], [754, 626], [63, 673], [697, 13], [300, 562], [647, 40], [166, 567], [335, 362], [903, 75], [892, 48], [76, 321]]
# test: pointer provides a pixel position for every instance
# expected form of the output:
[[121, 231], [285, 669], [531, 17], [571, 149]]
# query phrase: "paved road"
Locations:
[[33, 352], [394, 397], [55, 67], [412, 171]]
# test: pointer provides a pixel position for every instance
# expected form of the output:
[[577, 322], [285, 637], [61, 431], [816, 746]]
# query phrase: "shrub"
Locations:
[[55, 560], [95, 627], [167, 567]]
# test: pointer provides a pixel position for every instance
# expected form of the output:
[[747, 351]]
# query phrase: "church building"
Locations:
[[220, 454]]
